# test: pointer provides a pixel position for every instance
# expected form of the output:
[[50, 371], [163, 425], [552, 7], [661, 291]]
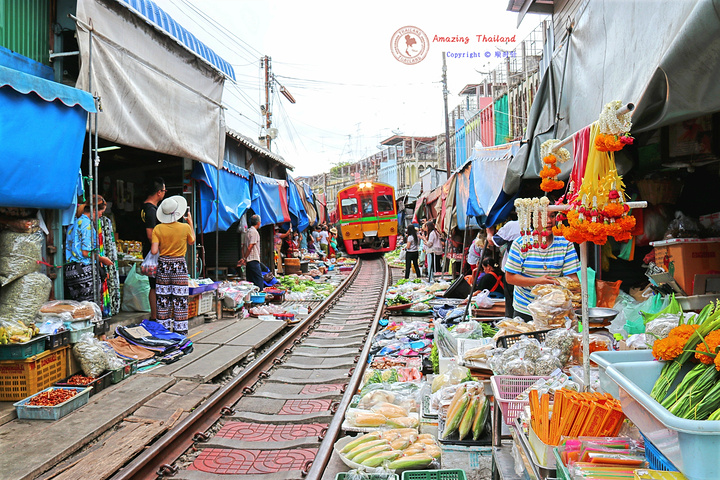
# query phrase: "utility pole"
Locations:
[[447, 125], [268, 116]]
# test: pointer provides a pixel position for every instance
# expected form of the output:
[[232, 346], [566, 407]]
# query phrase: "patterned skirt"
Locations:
[[172, 293], [79, 281]]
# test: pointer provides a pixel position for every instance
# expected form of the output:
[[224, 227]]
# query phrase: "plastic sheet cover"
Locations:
[[659, 58], [269, 200], [298, 214], [42, 128], [489, 166], [233, 198]]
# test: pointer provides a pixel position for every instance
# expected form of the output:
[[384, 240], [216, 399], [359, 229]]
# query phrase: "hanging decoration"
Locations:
[[598, 210], [550, 170], [533, 219]]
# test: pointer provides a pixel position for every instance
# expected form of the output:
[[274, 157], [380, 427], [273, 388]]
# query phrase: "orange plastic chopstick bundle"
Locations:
[[574, 415]]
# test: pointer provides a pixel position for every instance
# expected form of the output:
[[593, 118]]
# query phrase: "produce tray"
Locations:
[[32, 412], [485, 439], [97, 385], [57, 340], [120, 374], [604, 359], [690, 445], [21, 351], [506, 340], [398, 308]]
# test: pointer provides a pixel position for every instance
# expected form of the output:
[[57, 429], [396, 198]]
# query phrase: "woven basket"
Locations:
[[658, 191]]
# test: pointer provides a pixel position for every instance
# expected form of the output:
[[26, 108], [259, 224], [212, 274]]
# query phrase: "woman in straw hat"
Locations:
[[170, 239]]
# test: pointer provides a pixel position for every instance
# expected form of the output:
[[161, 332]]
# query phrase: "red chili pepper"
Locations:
[[52, 397], [80, 380]]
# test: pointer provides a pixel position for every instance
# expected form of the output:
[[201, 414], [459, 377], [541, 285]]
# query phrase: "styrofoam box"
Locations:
[[690, 445], [604, 359]]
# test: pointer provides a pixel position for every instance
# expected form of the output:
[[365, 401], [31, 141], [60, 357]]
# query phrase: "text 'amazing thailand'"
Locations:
[[480, 38]]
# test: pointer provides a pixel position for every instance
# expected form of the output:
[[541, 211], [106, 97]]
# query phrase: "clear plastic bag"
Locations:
[[21, 299], [548, 362], [519, 367], [150, 264], [482, 299], [561, 342], [19, 254], [14, 332], [552, 306], [135, 292], [51, 323], [91, 355], [76, 310]]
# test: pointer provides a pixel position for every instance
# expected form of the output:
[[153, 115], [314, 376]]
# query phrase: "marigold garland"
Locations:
[[668, 348], [712, 340]]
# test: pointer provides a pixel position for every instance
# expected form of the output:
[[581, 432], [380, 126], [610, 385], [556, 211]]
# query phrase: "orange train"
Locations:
[[368, 218]]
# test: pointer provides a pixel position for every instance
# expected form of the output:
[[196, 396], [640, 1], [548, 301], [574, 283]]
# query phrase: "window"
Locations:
[[349, 206], [385, 203], [367, 207]]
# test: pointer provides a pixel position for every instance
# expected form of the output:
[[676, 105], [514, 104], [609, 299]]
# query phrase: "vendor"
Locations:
[[538, 266], [494, 278]]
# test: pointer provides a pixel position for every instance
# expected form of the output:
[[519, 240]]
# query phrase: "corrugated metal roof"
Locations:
[[247, 141]]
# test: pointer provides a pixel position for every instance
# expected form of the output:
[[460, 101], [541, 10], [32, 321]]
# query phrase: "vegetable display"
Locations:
[[467, 413], [52, 397], [401, 448]]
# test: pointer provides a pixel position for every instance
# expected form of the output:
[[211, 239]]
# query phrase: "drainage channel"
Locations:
[[285, 418]]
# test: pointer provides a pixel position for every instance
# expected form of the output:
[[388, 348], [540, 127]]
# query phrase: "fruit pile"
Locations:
[[402, 448]]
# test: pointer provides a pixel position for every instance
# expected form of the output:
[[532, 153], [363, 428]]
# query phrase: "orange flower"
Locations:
[[551, 159], [608, 143], [683, 332], [717, 362], [614, 210], [713, 341], [668, 348]]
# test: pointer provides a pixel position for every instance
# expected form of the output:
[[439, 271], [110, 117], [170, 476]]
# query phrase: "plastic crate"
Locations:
[[97, 385], [205, 304], [506, 388], [57, 340], [370, 476], [76, 334], [22, 378], [120, 374], [32, 412], [434, 475], [507, 340], [20, 351], [655, 459], [562, 471], [193, 303]]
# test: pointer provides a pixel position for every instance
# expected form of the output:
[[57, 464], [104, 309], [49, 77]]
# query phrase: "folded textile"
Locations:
[[125, 349]]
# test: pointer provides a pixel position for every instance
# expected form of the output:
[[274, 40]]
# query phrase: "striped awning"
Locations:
[[157, 17]]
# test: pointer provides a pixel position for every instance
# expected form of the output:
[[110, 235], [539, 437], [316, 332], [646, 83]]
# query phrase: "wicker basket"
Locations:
[[658, 191]]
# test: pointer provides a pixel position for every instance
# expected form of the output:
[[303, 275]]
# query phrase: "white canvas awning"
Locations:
[[156, 92]]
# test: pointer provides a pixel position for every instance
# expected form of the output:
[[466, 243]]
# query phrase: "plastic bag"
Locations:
[[551, 307], [21, 299], [634, 322], [112, 361], [91, 355], [402, 255], [660, 327], [150, 264], [683, 227], [452, 377], [607, 292], [548, 362], [135, 292], [19, 254], [482, 299], [14, 332], [51, 323], [560, 342]]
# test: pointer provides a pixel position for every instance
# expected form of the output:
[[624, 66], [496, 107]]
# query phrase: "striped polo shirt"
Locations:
[[558, 260]]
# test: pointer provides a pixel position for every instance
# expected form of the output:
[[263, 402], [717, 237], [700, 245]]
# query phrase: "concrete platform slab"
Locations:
[[199, 351], [198, 475], [259, 334], [234, 330], [278, 388], [306, 351], [331, 342], [7, 412], [310, 363], [208, 329], [281, 419], [258, 404], [242, 445], [78, 428], [318, 376], [213, 364]]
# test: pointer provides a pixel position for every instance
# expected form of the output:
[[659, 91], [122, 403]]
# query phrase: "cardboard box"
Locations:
[[686, 257]]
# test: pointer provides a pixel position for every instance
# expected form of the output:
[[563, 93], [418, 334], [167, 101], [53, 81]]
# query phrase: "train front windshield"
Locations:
[[368, 210]]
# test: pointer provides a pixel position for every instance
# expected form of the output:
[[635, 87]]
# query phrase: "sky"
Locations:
[[335, 60]]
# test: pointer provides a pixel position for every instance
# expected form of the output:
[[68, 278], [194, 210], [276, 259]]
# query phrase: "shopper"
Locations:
[[332, 243], [411, 252], [434, 249], [538, 266], [155, 194], [80, 241], [324, 241], [253, 271], [503, 238], [108, 248], [170, 239], [494, 278], [278, 241]]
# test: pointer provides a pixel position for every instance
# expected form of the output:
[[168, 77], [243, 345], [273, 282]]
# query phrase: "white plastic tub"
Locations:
[[691, 445], [605, 359]]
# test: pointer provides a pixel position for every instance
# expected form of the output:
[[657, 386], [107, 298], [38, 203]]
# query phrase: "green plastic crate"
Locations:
[[120, 374], [21, 351], [455, 474], [343, 476]]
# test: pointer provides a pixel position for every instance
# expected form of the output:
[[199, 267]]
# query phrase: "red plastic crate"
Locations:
[[506, 388]]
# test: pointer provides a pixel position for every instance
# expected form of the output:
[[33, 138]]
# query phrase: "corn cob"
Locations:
[[454, 422], [378, 459], [455, 400], [361, 439], [363, 448], [411, 461], [481, 415], [467, 419], [370, 453]]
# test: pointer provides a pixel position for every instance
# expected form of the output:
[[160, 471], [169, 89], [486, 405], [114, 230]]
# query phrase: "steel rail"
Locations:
[[325, 449], [156, 458]]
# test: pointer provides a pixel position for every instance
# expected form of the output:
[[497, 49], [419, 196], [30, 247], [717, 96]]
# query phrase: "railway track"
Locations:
[[276, 420]]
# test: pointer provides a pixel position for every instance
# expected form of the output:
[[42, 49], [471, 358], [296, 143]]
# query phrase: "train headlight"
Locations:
[[392, 229]]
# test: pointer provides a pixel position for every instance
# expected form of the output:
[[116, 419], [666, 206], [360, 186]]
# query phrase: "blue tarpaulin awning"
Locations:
[[269, 200], [42, 128], [233, 197], [298, 215]]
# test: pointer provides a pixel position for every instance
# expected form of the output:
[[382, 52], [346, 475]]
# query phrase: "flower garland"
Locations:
[[550, 170], [599, 211], [672, 346], [614, 129], [532, 217]]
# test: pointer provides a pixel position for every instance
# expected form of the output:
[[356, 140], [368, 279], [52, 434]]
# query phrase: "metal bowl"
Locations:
[[599, 314]]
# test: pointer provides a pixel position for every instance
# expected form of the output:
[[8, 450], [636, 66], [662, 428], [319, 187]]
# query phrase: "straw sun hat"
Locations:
[[172, 209]]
